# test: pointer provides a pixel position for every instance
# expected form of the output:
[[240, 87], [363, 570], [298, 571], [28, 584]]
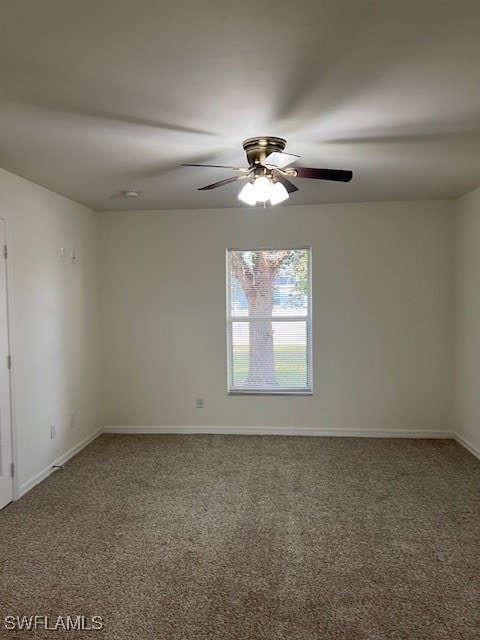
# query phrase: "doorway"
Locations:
[[6, 463]]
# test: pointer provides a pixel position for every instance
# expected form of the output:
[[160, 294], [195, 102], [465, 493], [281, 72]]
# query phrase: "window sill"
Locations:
[[283, 392]]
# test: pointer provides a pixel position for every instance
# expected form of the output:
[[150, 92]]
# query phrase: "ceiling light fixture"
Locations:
[[247, 194], [262, 189], [278, 193]]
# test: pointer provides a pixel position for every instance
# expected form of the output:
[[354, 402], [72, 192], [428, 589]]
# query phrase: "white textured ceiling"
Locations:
[[98, 96]]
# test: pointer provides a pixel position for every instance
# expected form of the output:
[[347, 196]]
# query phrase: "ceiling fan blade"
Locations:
[[220, 183], [338, 175], [215, 166], [279, 160], [289, 186]]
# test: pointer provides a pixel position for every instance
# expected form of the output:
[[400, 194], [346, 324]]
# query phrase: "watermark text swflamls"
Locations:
[[53, 623]]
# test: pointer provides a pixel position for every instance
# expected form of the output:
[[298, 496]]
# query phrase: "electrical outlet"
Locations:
[[200, 402], [73, 419], [53, 431], [63, 254]]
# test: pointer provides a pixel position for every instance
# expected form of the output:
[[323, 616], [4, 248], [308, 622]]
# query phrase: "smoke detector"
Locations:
[[130, 193]]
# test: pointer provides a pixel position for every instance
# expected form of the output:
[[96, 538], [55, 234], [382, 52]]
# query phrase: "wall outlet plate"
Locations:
[[200, 402], [73, 419], [53, 431]]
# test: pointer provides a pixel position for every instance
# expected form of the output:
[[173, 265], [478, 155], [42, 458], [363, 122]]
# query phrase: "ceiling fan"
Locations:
[[269, 170]]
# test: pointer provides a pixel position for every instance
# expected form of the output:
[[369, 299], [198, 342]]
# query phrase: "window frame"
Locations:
[[284, 391]]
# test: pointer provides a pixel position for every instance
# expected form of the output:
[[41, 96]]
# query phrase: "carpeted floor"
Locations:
[[250, 537]]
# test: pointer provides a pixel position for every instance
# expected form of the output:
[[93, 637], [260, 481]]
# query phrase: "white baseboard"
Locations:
[[468, 446], [284, 431], [41, 475]]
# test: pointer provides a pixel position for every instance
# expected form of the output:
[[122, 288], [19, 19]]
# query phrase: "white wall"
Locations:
[[384, 284], [383, 315], [467, 298], [55, 329]]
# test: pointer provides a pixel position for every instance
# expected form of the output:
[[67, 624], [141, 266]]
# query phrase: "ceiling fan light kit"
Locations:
[[269, 171], [262, 190]]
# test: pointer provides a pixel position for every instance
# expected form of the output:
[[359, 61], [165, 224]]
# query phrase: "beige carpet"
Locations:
[[241, 537]]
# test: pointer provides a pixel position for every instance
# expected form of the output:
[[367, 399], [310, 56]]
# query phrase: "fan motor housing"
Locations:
[[257, 149]]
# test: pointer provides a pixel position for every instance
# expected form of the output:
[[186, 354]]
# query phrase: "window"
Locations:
[[269, 321]]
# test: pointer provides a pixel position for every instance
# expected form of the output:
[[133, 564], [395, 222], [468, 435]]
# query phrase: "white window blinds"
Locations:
[[269, 321]]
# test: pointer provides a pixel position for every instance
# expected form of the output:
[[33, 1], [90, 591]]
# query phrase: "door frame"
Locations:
[[4, 216]]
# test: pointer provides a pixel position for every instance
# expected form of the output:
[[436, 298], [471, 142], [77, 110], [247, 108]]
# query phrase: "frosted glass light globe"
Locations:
[[247, 194], [262, 186], [278, 193]]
